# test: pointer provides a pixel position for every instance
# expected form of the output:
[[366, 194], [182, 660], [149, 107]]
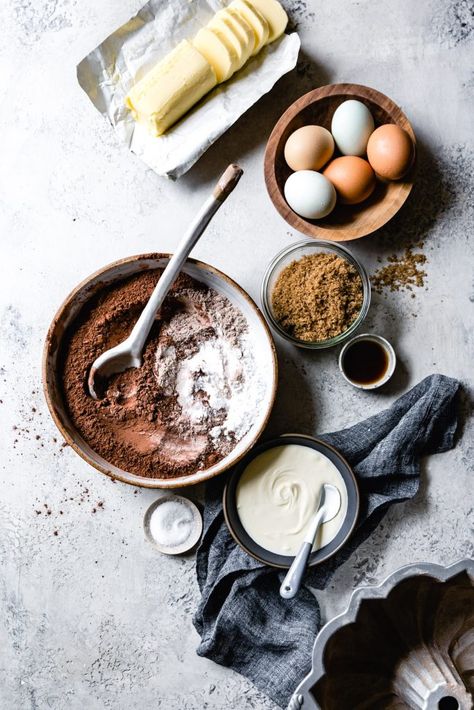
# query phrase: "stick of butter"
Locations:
[[171, 88], [218, 50]]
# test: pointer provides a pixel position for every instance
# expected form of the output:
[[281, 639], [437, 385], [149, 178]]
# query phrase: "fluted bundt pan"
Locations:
[[407, 643]]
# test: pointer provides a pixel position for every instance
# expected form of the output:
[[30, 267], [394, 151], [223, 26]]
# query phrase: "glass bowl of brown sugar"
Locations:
[[315, 294]]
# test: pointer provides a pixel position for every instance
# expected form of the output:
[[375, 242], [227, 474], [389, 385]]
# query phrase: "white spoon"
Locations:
[[328, 508], [129, 353]]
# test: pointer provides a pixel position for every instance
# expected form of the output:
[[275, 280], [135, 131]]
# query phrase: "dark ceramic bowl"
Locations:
[[270, 558]]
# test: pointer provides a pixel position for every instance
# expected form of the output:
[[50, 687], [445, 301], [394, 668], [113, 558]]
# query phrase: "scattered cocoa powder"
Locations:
[[317, 297], [401, 272]]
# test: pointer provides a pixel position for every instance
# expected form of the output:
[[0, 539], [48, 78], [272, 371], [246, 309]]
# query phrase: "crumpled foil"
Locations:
[[110, 70]]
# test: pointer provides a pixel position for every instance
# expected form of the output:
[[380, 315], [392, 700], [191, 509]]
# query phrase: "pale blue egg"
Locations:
[[310, 194], [351, 126]]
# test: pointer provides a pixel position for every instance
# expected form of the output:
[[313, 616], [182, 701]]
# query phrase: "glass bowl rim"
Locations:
[[340, 251]]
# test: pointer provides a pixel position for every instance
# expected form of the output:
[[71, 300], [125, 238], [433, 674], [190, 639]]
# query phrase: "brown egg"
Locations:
[[390, 151], [352, 177], [309, 148]]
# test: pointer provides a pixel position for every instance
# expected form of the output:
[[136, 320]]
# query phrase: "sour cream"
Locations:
[[278, 493]]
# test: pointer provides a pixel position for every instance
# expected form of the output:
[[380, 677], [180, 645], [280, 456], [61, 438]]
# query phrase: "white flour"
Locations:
[[207, 362], [220, 377]]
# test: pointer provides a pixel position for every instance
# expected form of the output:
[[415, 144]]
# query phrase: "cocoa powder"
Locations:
[[139, 425]]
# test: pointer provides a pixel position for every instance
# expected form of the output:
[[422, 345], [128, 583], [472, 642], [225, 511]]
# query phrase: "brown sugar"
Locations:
[[317, 297], [401, 272]]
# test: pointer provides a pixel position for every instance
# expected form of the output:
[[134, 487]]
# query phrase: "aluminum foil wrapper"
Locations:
[[110, 70]]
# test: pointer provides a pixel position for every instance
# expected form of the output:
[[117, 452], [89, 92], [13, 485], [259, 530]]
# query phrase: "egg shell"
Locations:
[[309, 148], [352, 177], [351, 126], [390, 151], [310, 194]]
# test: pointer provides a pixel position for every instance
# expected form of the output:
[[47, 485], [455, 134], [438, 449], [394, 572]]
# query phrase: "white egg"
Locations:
[[351, 126], [310, 194]]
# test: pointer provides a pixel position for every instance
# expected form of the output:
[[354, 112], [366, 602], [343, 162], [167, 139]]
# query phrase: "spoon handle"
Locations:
[[292, 582], [227, 181], [222, 190]]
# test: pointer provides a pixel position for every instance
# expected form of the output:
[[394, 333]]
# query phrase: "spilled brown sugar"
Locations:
[[401, 272], [317, 297]]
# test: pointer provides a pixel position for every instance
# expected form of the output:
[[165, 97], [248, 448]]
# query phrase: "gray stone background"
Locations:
[[93, 617]]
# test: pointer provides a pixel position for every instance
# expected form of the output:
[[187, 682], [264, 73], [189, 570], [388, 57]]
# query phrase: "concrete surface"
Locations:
[[93, 617]]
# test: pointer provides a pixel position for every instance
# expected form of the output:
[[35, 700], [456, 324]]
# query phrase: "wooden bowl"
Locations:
[[64, 319], [346, 221]]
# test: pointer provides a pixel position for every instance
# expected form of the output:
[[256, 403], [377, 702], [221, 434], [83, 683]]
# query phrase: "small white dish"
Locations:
[[195, 524], [387, 373]]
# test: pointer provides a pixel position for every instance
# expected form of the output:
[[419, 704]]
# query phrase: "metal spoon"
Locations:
[[129, 353], [328, 508]]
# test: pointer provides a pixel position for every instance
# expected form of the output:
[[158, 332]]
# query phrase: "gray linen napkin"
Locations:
[[242, 620]]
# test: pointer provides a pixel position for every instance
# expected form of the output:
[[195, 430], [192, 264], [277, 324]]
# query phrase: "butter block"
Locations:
[[274, 14], [255, 19], [171, 88], [219, 53], [194, 67]]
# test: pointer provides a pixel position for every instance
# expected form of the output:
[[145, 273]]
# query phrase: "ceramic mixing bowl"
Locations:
[[262, 345]]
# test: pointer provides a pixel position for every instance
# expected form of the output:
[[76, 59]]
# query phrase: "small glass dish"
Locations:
[[293, 253]]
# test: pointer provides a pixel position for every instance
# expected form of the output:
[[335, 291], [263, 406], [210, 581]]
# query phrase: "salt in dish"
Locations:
[[173, 524]]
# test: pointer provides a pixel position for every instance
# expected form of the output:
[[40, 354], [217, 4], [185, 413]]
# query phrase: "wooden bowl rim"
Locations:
[[302, 225], [53, 340]]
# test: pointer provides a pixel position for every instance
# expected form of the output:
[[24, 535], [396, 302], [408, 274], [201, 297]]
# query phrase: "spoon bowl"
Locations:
[[65, 323], [331, 503], [113, 361]]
